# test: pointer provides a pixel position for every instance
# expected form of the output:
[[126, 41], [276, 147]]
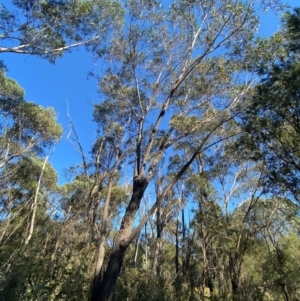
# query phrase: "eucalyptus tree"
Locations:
[[47, 28], [30, 180], [241, 190], [219, 181], [94, 195], [272, 120], [175, 73], [26, 130], [27, 134], [165, 212], [25, 126], [25, 223], [210, 249], [272, 224]]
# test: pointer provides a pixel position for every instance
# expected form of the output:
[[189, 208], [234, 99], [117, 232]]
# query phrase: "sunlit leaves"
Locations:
[[24, 126], [47, 28], [9, 89]]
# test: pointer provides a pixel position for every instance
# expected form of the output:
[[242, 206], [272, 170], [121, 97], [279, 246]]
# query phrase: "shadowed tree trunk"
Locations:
[[234, 278], [105, 289], [157, 252], [101, 252]]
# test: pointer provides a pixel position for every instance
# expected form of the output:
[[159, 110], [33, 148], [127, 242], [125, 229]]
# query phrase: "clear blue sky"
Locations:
[[51, 85]]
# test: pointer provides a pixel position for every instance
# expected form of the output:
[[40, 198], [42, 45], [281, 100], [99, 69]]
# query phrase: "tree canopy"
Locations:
[[190, 190], [272, 120], [48, 28]]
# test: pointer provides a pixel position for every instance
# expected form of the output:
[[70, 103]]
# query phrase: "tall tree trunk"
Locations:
[[35, 203], [146, 248], [206, 274], [177, 282], [234, 278], [177, 249], [125, 237], [111, 274], [136, 251], [101, 252], [285, 292], [156, 266], [158, 246], [184, 251]]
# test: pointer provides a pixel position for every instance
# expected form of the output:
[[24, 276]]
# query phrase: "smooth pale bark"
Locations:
[[157, 252], [177, 248], [184, 247], [34, 205], [285, 292], [146, 248], [25, 48], [103, 235], [103, 229], [158, 247], [136, 251]]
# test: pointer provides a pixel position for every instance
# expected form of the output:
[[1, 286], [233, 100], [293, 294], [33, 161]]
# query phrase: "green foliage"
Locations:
[[29, 169], [50, 268], [28, 184], [184, 124], [47, 28], [16, 199], [9, 88], [272, 120], [37, 121], [182, 68], [291, 22], [139, 285], [24, 126]]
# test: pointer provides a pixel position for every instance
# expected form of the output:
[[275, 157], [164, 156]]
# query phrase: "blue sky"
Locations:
[[53, 85]]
